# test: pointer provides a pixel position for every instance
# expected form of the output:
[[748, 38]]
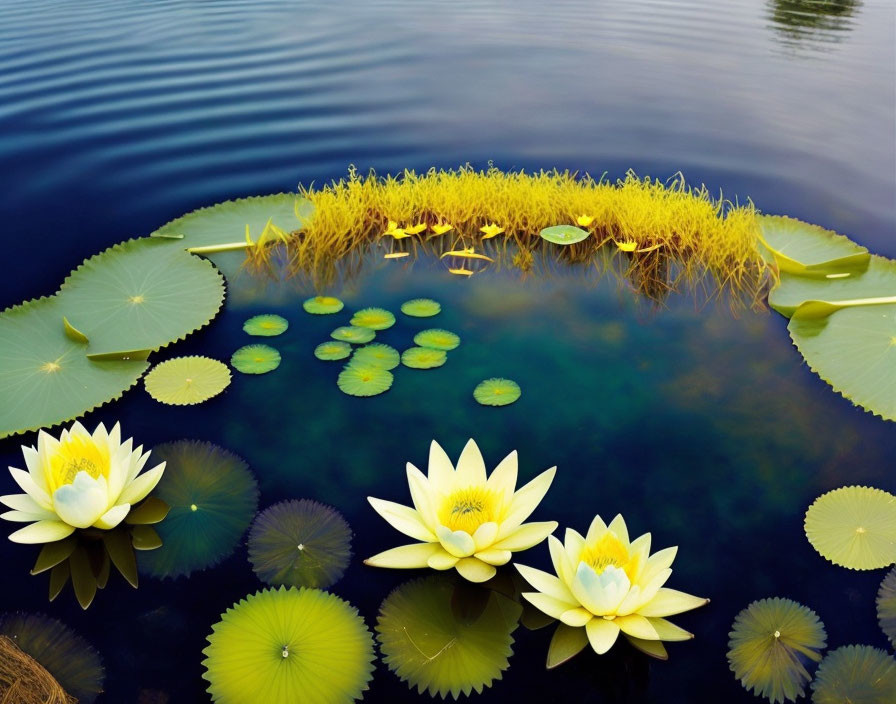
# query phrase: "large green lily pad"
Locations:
[[801, 248], [223, 226], [854, 350], [140, 295], [564, 234], [878, 280], [45, 376]]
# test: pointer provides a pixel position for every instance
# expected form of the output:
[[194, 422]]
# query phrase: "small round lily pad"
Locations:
[[373, 318], [497, 392], [268, 325], [437, 339], [184, 381], [255, 359], [323, 305], [421, 308], [377, 355], [364, 380], [423, 358], [353, 334], [332, 350], [564, 234]]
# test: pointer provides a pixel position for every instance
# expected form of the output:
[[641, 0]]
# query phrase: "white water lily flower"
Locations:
[[609, 585], [78, 481], [464, 519]]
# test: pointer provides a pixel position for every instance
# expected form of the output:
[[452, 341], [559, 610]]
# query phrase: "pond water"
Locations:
[[704, 428]]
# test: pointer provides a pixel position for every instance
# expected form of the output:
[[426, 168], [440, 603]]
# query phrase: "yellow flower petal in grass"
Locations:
[[854, 527], [289, 645], [437, 339], [442, 228], [373, 318], [184, 381], [255, 359], [496, 392], [467, 520], [299, 544], [415, 229], [323, 305], [446, 638], [396, 255], [771, 643], [490, 230], [364, 380], [584, 220], [855, 674], [886, 606], [421, 308], [627, 246], [268, 325], [609, 586]]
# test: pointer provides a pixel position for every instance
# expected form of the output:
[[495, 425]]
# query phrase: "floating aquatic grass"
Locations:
[[771, 643], [423, 358], [377, 355], [437, 339], [497, 392], [22, 677], [801, 248], [255, 359], [353, 334], [564, 234], [332, 350], [72, 662], [141, 295], [854, 527], [421, 308], [45, 374], [373, 318], [364, 380], [428, 640], [855, 674], [704, 237], [267, 325], [282, 646], [323, 305], [299, 544], [184, 381], [212, 495], [236, 224], [886, 606]]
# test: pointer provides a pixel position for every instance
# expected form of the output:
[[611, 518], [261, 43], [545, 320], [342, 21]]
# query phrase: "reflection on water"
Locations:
[[812, 22]]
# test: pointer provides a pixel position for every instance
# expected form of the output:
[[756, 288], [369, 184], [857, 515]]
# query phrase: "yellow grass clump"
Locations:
[[662, 232]]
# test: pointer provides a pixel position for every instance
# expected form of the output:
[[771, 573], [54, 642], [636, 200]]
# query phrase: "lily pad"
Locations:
[[224, 225], [421, 308], [377, 355], [267, 325], [140, 295], [564, 234], [801, 248], [364, 380], [437, 339], [854, 527], [373, 318], [184, 381], [46, 377], [855, 674], [496, 392], [886, 606], [332, 350], [323, 305], [255, 359], [854, 350], [772, 642], [353, 334], [423, 358]]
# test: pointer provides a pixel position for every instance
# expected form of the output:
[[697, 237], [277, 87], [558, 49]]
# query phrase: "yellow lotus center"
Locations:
[[50, 367], [77, 454], [467, 509], [137, 299], [609, 551]]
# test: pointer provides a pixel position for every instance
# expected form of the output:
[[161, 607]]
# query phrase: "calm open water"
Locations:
[[706, 430]]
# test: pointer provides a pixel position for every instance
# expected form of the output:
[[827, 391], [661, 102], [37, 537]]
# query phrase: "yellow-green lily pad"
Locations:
[[801, 248]]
